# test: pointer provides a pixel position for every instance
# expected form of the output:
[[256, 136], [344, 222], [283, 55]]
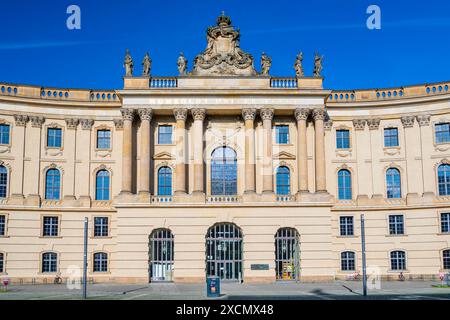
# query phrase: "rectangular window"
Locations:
[[391, 137], [396, 225], [165, 135], [103, 139], [342, 139], [445, 222], [346, 226], [100, 227], [50, 228], [4, 133], [54, 137], [442, 132], [2, 225], [282, 134]]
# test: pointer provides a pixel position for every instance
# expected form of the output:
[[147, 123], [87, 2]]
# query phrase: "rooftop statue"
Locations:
[[128, 64], [182, 64], [266, 63], [298, 66], [223, 55], [146, 65], [318, 65]]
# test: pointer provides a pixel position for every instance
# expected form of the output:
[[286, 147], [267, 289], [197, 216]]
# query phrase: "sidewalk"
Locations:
[[233, 291]]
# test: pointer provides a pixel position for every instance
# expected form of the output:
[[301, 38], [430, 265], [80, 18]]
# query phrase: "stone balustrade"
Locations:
[[224, 199], [284, 83], [164, 82], [389, 94]]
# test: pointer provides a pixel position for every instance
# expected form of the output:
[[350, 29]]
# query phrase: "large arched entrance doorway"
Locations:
[[161, 255], [224, 252], [287, 257]]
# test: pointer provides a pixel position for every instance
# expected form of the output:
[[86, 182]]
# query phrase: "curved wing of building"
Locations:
[[224, 171]]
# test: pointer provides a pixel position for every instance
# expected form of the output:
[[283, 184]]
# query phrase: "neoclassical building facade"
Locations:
[[224, 171]]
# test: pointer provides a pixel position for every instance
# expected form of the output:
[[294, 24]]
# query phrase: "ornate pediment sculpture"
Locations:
[[223, 56]]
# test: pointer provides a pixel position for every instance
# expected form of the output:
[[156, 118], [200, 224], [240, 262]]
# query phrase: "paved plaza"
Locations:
[[345, 290]]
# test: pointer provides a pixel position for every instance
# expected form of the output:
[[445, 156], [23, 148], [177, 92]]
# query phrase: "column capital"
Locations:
[[198, 114], [180, 114], [145, 114], [267, 113], [408, 121], [359, 124], [127, 114], [249, 114], [319, 114], [118, 123], [373, 124], [72, 123], [302, 113], [21, 120], [423, 120], [37, 121], [86, 124], [328, 125]]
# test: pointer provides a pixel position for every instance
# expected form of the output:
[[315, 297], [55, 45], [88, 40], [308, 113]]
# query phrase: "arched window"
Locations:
[[224, 257], [398, 260], [52, 184], [100, 262], [348, 261], [2, 263], [102, 184], [161, 251], [224, 171], [393, 184], [3, 181], [446, 259], [444, 180], [49, 262], [165, 181], [283, 181], [344, 185]]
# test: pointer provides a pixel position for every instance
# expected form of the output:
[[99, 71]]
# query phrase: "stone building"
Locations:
[[224, 171]]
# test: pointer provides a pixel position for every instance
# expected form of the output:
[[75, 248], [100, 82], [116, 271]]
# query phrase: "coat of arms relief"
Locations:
[[223, 55]]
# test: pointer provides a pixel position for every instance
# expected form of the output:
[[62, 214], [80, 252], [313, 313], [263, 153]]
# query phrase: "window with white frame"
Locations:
[[396, 225], [103, 139], [3, 182], [342, 139], [2, 263], [101, 225], [100, 262], [54, 137], [282, 134], [348, 261], [398, 260], [165, 134], [49, 262], [391, 137], [346, 226], [442, 132], [445, 222], [50, 227], [2, 225], [446, 259], [4, 134]]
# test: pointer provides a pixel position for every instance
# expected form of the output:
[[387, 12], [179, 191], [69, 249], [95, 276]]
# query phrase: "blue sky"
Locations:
[[412, 47]]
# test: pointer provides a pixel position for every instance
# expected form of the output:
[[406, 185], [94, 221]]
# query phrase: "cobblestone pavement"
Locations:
[[345, 290]]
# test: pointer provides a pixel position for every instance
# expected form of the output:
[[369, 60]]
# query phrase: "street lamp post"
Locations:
[[86, 221], [363, 243]]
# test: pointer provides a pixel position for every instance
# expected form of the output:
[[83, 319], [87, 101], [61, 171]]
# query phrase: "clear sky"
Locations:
[[412, 47]]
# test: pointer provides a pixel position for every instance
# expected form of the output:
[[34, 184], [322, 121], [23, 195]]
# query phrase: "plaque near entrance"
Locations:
[[259, 267]]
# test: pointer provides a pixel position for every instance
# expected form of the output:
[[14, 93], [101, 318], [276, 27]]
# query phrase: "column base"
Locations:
[[304, 196], [268, 196], [33, 200], [17, 199], [322, 196], [125, 197], [198, 196], [70, 201], [251, 196], [84, 201], [144, 197]]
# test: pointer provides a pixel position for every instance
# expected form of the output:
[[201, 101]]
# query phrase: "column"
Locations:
[[250, 159], [267, 116], [128, 116], [301, 115], [32, 168], [180, 140], [69, 153], [319, 117], [83, 162], [144, 177], [19, 141], [199, 117], [414, 180]]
